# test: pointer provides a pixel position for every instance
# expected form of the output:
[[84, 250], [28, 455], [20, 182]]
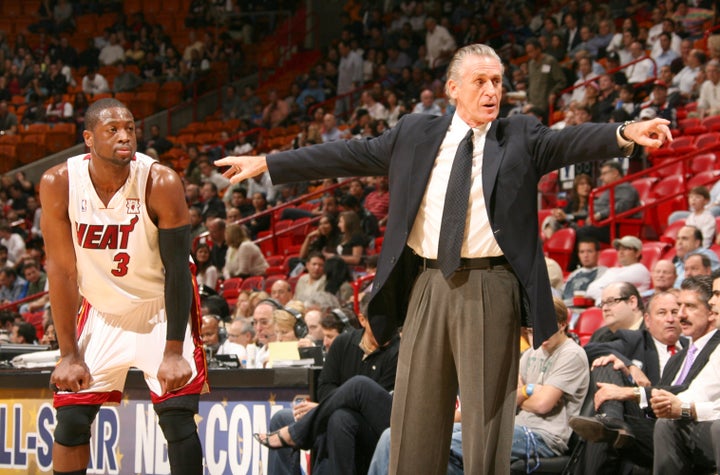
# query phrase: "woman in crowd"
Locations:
[[284, 325], [206, 273], [244, 258], [323, 239], [352, 244], [576, 209], [242, 305]]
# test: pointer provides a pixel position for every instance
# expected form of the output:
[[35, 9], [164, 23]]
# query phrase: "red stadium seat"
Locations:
[[560, 246], [608, 257]]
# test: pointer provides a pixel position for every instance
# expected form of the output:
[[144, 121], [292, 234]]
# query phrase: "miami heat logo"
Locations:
[[132, 205]]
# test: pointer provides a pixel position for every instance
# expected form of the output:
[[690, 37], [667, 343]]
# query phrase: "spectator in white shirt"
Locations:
[[439, 42], [112, 52], [629, 268], [94, 83], [709, 100]]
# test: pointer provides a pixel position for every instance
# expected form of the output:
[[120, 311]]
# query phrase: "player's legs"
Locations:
[[177, 420], [71, 450], [176, 410], [107, 361]]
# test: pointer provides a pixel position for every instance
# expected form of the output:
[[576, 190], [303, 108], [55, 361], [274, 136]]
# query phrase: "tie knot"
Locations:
[[692, 350], [470, 135], [671, 349]]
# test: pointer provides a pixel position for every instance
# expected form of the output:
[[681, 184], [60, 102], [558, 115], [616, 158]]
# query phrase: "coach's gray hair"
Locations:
[[453, 69]]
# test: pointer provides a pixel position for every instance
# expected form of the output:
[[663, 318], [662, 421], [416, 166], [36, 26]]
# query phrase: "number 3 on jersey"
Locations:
[[121, 260]]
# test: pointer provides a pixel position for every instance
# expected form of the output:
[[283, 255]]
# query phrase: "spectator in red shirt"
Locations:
[[378, 200]]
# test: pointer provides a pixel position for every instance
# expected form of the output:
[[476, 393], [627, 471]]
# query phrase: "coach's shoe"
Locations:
[[602, 428]]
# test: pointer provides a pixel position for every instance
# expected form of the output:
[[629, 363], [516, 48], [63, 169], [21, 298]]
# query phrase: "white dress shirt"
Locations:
[[425, 234], [704, 390]]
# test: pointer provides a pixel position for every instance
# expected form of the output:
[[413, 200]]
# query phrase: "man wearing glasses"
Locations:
[[622, 309]]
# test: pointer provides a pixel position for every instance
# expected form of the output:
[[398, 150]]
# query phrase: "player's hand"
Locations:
[[242, 167], [174, 372], [71, 374]]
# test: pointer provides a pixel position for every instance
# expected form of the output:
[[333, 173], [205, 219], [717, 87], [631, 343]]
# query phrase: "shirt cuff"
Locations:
[[643, 399], [705, 411], [627, 146]]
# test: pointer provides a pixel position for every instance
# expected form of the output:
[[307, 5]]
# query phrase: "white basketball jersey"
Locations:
[[118, 260]]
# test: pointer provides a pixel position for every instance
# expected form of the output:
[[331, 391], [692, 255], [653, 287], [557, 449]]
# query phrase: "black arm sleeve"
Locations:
[[174, 252]]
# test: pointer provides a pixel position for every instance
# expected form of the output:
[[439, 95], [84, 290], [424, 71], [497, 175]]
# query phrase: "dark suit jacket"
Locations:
[[518, 151], [630, 345]]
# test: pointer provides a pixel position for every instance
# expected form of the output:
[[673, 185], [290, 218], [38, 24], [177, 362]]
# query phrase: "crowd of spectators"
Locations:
[[57, 80]]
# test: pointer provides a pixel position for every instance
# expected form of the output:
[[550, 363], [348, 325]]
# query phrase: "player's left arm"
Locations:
[[167, 207]]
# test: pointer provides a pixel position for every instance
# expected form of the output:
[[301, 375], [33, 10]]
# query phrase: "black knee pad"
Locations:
[[73, 424], [177, 424]]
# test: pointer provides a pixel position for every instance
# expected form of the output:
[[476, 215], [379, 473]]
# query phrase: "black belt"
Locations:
[[468, 263]]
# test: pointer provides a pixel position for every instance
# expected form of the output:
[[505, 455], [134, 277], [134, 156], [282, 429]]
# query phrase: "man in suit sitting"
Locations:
[[630, 428]]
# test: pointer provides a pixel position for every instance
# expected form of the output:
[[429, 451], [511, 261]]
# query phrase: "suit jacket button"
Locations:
[[392, 260]]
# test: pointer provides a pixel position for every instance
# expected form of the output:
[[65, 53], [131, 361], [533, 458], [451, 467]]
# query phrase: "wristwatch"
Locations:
[[621, 130], [686, 411], [636, 393]]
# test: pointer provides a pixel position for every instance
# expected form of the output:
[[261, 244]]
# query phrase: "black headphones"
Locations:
[[340, 314], [300, 328], [222, 329]]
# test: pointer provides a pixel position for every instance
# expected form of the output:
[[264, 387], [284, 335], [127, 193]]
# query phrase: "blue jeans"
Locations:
[[284, 461], [381, 458], [529, 446]]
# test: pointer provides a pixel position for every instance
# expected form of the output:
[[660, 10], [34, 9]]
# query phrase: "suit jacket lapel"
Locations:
[[702, 358], [492, 157], [676, 361], [422, 163], [672, 367], [652, 370]]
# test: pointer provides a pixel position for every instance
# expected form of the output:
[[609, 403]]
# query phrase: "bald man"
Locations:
[[281, 291]]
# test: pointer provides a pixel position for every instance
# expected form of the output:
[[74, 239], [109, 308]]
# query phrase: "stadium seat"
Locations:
[[670, 195], [230, 289], [670, 234], [608, 257], [589, 321], [707, 140], [702, 162], [253, 283], [652, 251], [712, 123], [560, 246], [704, 178], [644, 186]]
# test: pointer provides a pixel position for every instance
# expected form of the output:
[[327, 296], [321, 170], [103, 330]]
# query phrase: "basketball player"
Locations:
[[117, 234]]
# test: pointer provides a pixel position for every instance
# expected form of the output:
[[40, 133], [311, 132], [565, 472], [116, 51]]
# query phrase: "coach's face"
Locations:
[[477, 90]]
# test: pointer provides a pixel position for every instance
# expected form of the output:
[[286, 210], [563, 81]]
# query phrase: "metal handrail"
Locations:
[[617, 218]]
